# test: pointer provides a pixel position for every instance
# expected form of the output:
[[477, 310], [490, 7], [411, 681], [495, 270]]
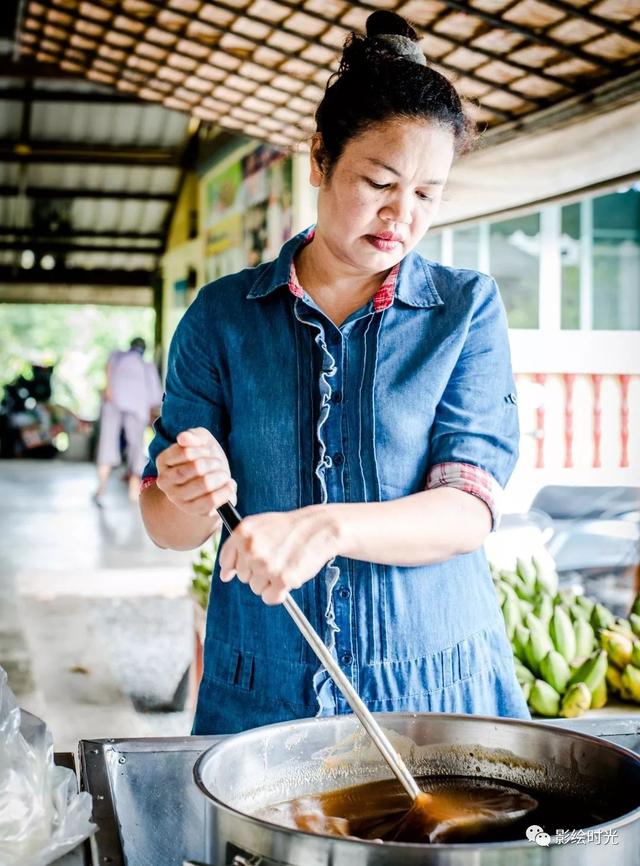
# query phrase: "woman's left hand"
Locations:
[[279, 551]]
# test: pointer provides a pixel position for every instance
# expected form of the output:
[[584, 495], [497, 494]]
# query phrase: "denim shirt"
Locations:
[[308, 412]]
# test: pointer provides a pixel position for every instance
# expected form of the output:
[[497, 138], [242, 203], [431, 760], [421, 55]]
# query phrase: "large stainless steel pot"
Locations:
[[251, 770]]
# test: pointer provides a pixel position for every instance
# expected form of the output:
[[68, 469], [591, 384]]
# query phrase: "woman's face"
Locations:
[[383, 193]]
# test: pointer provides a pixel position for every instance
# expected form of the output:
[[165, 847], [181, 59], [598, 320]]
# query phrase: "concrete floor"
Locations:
[[94, 619]]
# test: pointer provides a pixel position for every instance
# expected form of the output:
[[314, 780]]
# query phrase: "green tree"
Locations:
[[77, 338]]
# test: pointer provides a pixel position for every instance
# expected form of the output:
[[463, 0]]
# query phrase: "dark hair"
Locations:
[[377, 81], [138, 343]]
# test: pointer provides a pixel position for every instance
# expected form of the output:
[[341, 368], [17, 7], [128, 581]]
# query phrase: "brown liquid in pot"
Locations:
[[379, 810]]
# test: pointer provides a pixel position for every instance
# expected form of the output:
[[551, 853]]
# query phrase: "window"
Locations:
[[514, 253], [431, 247], [571, 271], [466, 248], [616, 261]]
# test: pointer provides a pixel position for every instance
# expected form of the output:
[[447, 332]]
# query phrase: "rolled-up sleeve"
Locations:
[[474, 440], [193, 392]]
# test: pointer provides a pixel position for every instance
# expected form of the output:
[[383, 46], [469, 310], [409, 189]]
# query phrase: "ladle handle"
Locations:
[[231, 519]]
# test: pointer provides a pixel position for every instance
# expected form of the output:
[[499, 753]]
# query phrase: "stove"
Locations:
[[149, 811]]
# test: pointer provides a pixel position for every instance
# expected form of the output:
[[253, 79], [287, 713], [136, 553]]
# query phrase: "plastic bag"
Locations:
[[42, 816]]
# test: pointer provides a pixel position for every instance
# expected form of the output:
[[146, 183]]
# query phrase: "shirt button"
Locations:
[[344, 592], [336, 397], [346, 658], [338, 459]]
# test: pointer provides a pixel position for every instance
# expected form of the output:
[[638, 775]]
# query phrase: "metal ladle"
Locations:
[[431, 813], [231, 519]]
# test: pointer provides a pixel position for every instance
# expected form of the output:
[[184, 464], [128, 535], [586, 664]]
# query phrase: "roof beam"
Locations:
[[76, 276], [29, 232], [49, 192], [54, 246], [22, 94], [28, 68], [56, 152]]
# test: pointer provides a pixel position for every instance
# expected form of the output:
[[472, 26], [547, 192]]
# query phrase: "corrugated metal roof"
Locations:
[[108, 124], [107, 178], [123, 216], [87, 193]]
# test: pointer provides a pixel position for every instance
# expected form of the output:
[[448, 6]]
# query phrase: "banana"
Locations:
[[599, 696], [634, 622], [601, 617], [543, 609], [592, 672], [539, 643], [614, 679], [584, 604], [585, 638], [555, 670], [562, 634], [619, 648], [544, 699], [524, 591], [508, 575], [576, 701], [527, 572], [630, 683], [526, 690], [519, 642], [623, 627], [523, 674], [509, 592], [512, 615], [635, 654]]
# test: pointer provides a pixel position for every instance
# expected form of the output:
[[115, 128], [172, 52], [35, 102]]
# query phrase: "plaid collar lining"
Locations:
[[382, 299]]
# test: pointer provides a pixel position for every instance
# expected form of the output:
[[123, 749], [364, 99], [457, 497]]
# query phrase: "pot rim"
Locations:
[[616, 823]]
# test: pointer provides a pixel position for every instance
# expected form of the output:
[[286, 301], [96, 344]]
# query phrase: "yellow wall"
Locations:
[[184, 253]]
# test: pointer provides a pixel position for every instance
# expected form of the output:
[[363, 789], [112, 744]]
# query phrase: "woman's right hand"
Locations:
[[194, 473]]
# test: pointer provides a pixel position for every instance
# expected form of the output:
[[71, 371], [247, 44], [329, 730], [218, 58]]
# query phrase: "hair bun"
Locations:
[[383, 23]]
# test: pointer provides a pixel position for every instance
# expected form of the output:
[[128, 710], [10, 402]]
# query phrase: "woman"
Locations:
[[359, 402]]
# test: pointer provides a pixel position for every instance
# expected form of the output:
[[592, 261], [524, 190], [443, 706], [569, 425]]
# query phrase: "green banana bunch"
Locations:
[[585, 638], [592, 672], [562, 634], [583, 606], [634, 622], [543, 609], [601, 617], [619, 648], [599, 696], [512, 614], [539, 643], [635, 654], [523, 674], [630, 684], [576, 701], [555, 670], [527, 573], [519, 642], [544, 699]]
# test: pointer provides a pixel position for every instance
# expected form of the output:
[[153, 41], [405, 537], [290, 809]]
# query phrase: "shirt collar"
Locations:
[[410, 281]]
